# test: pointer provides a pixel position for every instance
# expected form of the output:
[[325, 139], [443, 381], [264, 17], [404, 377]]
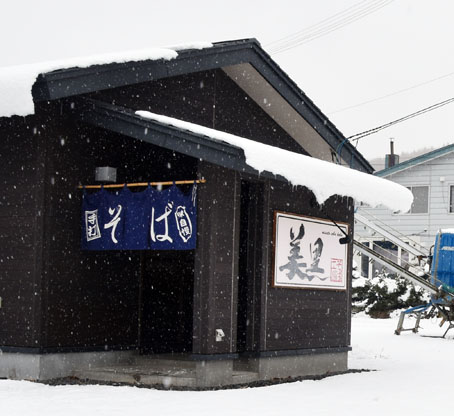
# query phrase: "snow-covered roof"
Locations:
[[16, 81], [323, 178], [74, 77]]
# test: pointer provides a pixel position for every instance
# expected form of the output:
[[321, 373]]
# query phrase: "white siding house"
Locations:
[[431, 179]]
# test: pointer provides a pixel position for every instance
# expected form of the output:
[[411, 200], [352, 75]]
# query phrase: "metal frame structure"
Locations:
[[442, 300]]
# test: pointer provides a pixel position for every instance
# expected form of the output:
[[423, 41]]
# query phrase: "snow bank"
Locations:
[[399, 361], [16, 81], [323, 178]]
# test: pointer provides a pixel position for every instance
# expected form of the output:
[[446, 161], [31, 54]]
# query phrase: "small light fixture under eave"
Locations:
[[105, 174]]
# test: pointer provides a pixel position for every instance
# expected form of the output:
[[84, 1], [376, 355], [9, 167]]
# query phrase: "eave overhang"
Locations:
[[124, 121]]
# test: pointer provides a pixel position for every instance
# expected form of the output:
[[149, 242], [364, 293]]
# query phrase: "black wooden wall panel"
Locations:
[[208, 98], [216, 263], [91, 298], [189, 97], [20, 232], [82, 299], [17, 315], [251, 255], [168, 285], [302, 318]]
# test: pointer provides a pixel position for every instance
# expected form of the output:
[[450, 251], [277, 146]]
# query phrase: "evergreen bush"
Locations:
[[384, 293]]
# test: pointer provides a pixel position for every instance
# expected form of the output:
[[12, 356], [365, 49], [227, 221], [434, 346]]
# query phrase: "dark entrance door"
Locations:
[[249, 282], [167, 300]]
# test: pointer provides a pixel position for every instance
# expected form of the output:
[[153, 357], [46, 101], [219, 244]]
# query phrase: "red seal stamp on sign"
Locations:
[[337, 269]]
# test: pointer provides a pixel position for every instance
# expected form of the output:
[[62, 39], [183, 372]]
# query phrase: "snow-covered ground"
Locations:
[[414, 377]]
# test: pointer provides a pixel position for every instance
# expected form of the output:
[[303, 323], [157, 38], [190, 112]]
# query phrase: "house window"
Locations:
[[451, 198], [421, 199]]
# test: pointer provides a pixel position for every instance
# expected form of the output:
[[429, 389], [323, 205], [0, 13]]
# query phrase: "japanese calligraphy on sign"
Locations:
[[91, 225], [147, 220], [308, 254]]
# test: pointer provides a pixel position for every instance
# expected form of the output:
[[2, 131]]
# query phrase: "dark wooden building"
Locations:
[[214, 312]]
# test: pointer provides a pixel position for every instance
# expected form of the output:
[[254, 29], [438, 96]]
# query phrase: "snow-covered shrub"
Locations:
[[385, 292]]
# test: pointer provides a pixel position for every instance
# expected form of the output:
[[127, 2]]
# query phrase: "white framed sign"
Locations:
[[308, 254]]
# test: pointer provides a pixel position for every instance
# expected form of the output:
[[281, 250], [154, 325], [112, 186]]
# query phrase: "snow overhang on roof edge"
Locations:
[[16, 82], [323, 178]]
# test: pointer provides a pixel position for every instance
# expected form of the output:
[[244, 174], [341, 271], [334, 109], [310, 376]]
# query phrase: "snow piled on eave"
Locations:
[[323, 178], [16, 81], [185, 46]]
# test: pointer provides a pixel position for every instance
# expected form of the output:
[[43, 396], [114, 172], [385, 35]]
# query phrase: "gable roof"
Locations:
[[76, 81], [416, 161]]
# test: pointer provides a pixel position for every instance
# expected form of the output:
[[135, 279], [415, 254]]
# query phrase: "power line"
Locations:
[[391, 94], [323, 31], [374, 130], [327, 28], [324, 26], [328, 25], [321, 22]]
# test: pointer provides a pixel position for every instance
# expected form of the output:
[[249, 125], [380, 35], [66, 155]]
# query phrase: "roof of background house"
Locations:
[[416, 161]]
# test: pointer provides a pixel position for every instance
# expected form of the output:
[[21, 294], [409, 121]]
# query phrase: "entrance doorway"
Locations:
[[167, 300], [250, 258]]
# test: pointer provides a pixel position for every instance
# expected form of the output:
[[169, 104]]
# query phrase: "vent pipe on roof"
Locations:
[[391, 159]]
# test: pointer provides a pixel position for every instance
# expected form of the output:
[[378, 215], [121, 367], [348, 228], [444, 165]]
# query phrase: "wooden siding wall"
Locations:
[[91, 298], [167, 307], [21, 216], [208, 98], [216, 265], [252, 251], [302, 318], [279, 318]]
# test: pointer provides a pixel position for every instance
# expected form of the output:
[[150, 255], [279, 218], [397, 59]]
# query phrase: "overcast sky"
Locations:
[[367, 54]]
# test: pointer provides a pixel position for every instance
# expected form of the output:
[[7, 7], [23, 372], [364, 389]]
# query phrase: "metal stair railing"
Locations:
[[390, 237], [420, 281]]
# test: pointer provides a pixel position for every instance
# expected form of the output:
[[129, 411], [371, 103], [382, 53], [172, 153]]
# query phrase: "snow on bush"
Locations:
[[384, 293]]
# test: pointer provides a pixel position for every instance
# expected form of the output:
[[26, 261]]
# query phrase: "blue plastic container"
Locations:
[[442, 270]]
